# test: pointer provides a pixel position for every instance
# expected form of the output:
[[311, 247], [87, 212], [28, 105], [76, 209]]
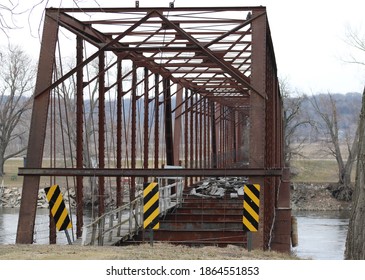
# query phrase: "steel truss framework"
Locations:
[[203, 91]]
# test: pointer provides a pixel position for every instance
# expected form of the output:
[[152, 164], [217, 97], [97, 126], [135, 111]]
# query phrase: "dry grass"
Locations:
[[11, 178], [159, 251], [315, 171], [316, 167]]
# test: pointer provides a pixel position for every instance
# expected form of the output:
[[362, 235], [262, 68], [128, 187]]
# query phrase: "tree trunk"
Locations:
[[355, 242], [2, 162]]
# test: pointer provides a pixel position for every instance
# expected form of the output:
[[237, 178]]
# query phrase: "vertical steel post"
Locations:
[[168, 123], [214, 136], [101, 192], [197, 131], [208, 130], [134, 130], [119, 131], [218, 132], [221, 119], [145, 122], [37, 132], [205, 124], [52, 226], [201, 129], [186, 132], [157, 120], [191, 133], [177, 126], [234, 137], [257, 115], [79, 135]]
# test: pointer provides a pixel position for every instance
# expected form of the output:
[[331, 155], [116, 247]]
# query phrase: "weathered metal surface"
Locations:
[[101, 132], [119, 198], [281, 240], [191, 172], [37, 133], [217, 85], [79, 136]]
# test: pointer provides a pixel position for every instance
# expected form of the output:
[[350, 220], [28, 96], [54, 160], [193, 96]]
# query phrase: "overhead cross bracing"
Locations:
[[150, 87], [208, 51]]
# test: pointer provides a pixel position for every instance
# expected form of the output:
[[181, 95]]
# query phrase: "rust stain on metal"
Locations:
[[207, 99]]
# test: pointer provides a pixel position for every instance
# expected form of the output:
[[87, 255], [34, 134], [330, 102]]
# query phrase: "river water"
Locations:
[[322, 234], [9, 223]]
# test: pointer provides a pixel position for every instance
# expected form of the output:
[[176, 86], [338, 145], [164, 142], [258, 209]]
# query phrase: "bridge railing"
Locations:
[[125, 221], [170, 192]]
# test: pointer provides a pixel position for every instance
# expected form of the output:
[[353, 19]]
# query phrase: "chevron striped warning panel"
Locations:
[[251, 207], [58, 208], [151, 209]]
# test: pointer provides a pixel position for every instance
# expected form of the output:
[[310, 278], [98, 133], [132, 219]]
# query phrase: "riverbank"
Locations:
[[315, 197], [10, 197], [312, 197], [304, 196]]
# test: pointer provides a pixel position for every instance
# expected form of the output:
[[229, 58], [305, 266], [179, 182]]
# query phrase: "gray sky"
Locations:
[[308, 36]]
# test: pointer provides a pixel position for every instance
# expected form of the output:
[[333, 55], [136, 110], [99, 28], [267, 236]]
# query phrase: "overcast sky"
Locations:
[[309, 37]]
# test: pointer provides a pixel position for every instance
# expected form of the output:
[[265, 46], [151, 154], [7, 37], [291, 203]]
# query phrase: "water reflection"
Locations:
[[322, 235]]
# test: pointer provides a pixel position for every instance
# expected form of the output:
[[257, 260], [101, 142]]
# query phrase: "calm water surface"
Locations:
[[9, 224], [322, 235]]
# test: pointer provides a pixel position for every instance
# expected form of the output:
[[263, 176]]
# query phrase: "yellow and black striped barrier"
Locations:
[[251, 207], [58, 209], [151, 209]]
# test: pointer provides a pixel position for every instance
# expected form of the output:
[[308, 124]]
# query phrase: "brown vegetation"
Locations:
[[158, 251]]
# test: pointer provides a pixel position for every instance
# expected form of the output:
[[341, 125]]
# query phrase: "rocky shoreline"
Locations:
[[304, 196], [10, 197], [315, 197]]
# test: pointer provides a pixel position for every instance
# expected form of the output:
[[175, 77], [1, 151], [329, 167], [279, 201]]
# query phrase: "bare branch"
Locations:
[[16, 80]]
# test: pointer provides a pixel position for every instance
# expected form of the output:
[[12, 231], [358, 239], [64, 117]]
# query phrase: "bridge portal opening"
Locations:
[[123, 92]]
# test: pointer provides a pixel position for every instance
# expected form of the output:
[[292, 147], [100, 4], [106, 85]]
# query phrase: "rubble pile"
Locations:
[[219, 187]]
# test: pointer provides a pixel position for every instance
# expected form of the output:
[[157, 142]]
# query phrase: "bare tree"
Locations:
[[16, 81], [355, 242], [325, 106], [356, 41], [8, 11], [294, 119]]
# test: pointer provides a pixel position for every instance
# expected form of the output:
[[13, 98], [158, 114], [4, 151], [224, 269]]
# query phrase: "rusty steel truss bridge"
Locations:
[[144, 88]]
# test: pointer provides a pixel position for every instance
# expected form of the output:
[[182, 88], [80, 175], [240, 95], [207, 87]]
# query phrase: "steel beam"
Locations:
[[169, 140], [101, 133], [119, 131], [178, 125], [223, 64], [134, 130], [257, 119], [145, 122], [37, 132], [157, 120], [153, 172], [79, 137], [224, 86], [161, 9]]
